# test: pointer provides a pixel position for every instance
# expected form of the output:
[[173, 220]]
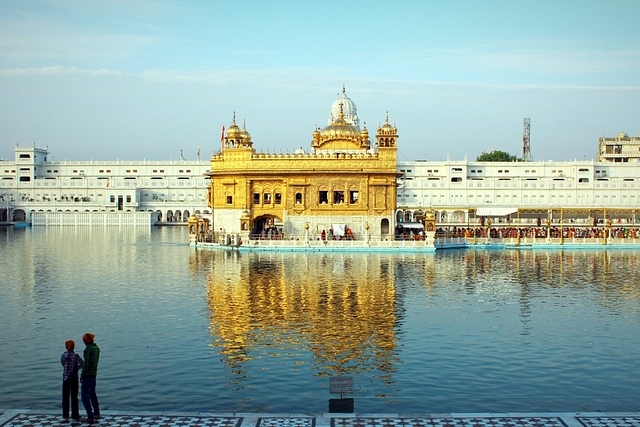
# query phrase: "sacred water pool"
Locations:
[[192, 330]]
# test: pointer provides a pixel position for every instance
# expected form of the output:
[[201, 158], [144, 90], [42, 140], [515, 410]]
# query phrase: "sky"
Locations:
[[156, 79]]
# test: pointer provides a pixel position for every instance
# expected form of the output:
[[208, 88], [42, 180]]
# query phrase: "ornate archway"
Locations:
[[266, 227]]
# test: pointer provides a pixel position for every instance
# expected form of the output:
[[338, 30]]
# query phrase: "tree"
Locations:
[[496, 156]]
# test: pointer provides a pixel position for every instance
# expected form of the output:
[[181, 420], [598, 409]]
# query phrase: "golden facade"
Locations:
[[344, 182]]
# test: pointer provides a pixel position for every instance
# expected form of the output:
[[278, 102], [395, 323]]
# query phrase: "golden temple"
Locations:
[[344, 187]]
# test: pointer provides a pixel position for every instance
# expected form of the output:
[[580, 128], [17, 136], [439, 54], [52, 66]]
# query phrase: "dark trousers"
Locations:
[[89, 397], [70, 392]]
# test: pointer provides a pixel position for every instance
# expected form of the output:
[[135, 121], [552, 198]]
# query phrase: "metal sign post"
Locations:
[[341, 385]]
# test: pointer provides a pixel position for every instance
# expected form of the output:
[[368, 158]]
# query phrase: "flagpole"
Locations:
[[222, 139]]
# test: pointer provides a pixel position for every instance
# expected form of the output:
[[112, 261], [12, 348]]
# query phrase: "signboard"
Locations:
[[340, 385]]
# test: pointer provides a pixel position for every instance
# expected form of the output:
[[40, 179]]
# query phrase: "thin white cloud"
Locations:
[[529, 57], [253, 52], [562, 62], [73, 47], [288, 78], [59, 71]]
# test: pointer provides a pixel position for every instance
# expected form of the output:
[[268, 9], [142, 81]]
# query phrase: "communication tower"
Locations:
[[526, 147]]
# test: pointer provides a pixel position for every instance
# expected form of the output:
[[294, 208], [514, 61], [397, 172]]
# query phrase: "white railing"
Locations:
[[91, 219]]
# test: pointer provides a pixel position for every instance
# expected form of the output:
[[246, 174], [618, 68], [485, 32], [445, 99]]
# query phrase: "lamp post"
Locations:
[[366, 232], [306, 233], [475, 224], [561, 229], [548, 230]]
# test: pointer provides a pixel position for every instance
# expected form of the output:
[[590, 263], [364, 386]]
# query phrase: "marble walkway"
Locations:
[[35, 418]]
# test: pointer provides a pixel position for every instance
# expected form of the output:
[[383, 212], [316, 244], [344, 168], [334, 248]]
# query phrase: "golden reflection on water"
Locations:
[[339, 308], [346, 311], [452, 331]]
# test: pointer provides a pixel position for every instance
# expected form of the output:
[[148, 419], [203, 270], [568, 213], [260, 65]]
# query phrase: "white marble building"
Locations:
[[459, 191], [170, 190]]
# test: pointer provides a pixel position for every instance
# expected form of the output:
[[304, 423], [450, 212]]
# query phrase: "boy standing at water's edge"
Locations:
[[71, 364], [88, 377]]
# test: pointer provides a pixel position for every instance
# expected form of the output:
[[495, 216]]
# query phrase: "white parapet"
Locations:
[[92, 219]]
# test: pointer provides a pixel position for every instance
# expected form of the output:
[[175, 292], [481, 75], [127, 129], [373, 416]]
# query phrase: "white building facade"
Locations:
[[461, 191], [170, 190]]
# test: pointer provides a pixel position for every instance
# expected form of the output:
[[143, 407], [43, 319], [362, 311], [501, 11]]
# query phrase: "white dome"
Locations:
[[349, 110]]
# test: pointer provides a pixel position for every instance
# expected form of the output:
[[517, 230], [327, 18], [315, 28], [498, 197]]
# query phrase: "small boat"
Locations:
[[22, 224]]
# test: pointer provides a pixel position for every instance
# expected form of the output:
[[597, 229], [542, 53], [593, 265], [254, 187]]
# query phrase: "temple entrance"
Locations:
[[266, 227]]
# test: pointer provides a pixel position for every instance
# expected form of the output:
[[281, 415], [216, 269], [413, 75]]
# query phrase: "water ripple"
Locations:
[[192, 330]]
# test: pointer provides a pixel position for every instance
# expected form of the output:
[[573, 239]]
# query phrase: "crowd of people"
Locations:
[[541, 232], [274, 233], [270, 233], [331, 235], [500, 232]]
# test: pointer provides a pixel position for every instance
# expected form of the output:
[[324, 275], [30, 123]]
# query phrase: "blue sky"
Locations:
[[145, 79]]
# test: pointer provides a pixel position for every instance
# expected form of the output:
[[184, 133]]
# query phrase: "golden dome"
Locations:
[[387, 129], [234, 132], [340, 128], [244, 134], [364, 133], [340, 131]]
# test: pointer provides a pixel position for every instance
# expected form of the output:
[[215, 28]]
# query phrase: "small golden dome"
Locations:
[[234, 131], [386, 128], [244, 134], [364, 133]]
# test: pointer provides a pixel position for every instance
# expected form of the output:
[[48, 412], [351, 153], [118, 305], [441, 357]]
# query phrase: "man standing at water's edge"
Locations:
[[88, 377], [71, 364]]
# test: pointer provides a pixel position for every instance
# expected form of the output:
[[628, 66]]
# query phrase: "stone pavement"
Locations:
[[35, 418]]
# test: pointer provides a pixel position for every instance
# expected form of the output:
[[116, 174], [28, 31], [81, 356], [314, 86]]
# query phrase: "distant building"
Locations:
[[170, 190], [344, 180], [621, 149], [460, 191]]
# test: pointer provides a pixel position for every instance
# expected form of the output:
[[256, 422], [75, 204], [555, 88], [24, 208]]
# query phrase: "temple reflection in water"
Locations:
[[342, 310], [210, 331], [351, 314]]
